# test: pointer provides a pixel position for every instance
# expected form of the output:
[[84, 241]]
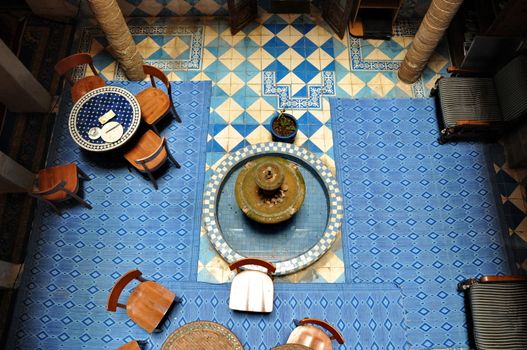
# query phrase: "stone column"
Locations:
[[13, 176], [431, 30], [19, 90], [112, 22], [10, 274]]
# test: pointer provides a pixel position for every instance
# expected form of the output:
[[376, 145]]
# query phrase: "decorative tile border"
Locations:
[[196, 32], [358, 62], [336, 210], [285, 98]]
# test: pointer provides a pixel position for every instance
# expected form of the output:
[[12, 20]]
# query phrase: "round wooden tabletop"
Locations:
[[291, 347], [202, 335]]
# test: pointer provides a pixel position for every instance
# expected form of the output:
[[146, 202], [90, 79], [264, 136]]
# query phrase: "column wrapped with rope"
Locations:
[[124, 49], [436, 21]]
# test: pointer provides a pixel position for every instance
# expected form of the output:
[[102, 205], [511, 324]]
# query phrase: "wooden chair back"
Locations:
[[144, 161], [68, 63], [253, 261], [113, 298], [154, 72], [314, 337], [148, 304], [251, 290], [133, 345], [57, 187], [335, 334]]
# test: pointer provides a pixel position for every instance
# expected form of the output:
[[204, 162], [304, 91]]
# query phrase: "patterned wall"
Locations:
[[166, 8]]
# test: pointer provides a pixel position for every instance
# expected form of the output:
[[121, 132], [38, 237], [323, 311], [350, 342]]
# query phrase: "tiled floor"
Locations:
[[282, 61], [510, 186], [294, 62]]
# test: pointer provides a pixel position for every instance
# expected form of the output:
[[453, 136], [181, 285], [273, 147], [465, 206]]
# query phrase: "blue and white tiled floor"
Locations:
[[281, 61], [295, 62]]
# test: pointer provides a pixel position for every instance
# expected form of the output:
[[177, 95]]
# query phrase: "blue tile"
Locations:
[[410, 217]]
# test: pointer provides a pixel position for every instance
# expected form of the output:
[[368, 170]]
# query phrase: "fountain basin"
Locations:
[[270, 190], [291, 245]]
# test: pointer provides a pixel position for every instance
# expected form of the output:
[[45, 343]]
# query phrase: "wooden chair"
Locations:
[[147, 304], [252, 290], [133, 345], [497, 311], [314, 337], [82, 86], [149, 154], [154, 102], [58, 184]]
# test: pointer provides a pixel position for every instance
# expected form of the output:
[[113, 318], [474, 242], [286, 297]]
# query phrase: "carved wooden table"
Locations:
[[202, 335]]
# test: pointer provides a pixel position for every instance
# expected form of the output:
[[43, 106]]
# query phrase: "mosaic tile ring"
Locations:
[[210, 198], [86, 111]]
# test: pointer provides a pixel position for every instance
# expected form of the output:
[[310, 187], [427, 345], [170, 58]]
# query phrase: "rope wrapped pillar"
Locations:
[[431, 30], [111, 20]]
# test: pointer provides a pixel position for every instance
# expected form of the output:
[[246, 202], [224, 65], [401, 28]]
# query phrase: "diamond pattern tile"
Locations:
[[384, 57], [418, 214], [74, 258], [284, 61]]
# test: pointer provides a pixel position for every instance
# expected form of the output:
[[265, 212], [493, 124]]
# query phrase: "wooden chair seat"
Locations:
[[82, 86], [50, 177], [133, 345], [147, 144], [85, 85], [154, 104], [59, 183], [148, 303]]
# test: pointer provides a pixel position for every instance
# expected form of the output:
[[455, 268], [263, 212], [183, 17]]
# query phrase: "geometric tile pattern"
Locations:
[[369, 316], [74, 258], [387, 55], [278, 61], [286, 99], [297, 154], [157, 8], [513, 196], [169, 48], [425, 258], [418, 214], [162, 8]]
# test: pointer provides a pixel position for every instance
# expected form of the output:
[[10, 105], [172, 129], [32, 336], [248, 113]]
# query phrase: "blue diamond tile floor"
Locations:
[[74, 258], [419, 214], [419, 217]]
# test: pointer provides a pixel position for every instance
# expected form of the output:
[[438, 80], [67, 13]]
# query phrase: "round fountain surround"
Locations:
[[294, 154]]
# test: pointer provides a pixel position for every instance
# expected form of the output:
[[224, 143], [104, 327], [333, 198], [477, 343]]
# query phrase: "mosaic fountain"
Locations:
[[270, 190], [274, 201]]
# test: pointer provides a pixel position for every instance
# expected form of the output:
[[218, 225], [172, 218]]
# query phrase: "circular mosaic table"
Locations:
[[327, 225], [89, 108], [202, 335]]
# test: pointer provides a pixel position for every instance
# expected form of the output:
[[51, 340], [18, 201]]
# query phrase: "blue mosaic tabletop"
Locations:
[[87, 111]]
